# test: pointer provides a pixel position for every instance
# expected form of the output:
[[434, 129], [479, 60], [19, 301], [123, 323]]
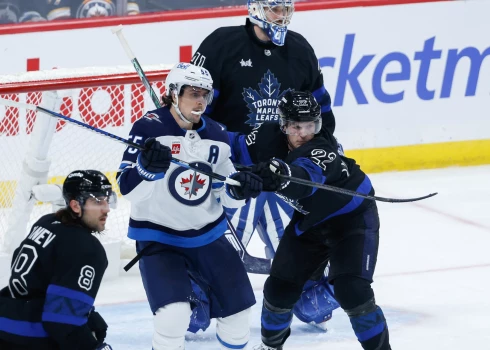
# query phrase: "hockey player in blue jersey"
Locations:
[[177, 217]]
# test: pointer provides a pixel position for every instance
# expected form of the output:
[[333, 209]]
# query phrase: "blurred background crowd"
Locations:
[[21, 11]]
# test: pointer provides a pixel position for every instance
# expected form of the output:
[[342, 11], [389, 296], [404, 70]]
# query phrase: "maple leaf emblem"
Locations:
[[263, 103], [192, 184]]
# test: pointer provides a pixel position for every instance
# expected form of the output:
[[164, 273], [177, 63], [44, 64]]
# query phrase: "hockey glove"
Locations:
[[154, 161], [270, 171], [104, 346], [98, 326], [251, 185]]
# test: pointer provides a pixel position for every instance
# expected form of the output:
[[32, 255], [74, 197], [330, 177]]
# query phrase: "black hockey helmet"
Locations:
[[298, 107], [82, 184]]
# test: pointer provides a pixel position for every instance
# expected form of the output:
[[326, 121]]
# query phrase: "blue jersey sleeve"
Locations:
[[239, 148], [131, 184]]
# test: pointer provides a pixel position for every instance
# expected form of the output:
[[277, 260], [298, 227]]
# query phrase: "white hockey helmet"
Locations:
[[280, 10], [187, 74]]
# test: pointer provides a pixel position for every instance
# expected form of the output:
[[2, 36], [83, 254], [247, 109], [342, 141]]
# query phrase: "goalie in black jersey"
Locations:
[[325, 227], [57, 271]]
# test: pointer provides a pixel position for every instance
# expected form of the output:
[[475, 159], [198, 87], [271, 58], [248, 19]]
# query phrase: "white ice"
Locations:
[[431, 279]]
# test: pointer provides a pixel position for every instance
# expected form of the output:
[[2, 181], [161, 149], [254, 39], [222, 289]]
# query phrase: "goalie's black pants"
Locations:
[[350, 242]]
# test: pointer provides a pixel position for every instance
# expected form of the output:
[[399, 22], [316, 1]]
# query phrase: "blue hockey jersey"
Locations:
[[184, 208]]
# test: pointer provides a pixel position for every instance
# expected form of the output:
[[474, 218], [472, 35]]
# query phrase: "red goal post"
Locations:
[[39, 149]]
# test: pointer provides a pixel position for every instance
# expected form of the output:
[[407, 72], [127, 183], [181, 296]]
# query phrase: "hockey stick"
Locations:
[[252, 264], [342, 190], [182, 163], [136, 65], [156, 101]]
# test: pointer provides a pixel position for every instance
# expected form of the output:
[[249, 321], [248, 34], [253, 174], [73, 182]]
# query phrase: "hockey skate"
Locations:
[[265, 347]]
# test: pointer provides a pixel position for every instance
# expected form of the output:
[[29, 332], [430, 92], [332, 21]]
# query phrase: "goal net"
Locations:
[[37, 148]]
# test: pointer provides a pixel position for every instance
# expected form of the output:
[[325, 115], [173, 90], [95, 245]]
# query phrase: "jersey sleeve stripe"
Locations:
[[23, 328], [365, 188], [64, 305], [313, 170], [56, 290], [65, 319]]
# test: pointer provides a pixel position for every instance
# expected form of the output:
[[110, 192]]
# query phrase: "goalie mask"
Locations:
[[83, 184], [183, 75], [273, 16], [299, 113]]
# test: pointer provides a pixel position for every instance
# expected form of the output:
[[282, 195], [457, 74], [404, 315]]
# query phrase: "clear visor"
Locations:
[[99, 199], [301, 128], [197, 94], [279, 15]]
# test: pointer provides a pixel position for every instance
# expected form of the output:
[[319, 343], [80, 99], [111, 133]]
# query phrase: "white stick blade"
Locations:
[[117, 29]]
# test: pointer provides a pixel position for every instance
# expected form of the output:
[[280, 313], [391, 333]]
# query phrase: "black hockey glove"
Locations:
[[251, 185], [154, 161], [270, 171], [98, 326]]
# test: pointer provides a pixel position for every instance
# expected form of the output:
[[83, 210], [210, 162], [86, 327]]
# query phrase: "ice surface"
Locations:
[[431, 280]]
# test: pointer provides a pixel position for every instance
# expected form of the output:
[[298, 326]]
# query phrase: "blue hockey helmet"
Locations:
[[273, 16]]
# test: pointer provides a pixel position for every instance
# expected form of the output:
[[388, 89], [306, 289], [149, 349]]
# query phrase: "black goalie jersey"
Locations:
[[318, 160], [56, 273], [250, 76]]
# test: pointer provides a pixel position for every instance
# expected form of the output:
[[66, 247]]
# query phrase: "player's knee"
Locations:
[[351, 291], [280, 293], [170, 326], [233, 331]]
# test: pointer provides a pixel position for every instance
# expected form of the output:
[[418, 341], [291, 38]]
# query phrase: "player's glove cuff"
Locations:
[[279, 167], [145, 174]]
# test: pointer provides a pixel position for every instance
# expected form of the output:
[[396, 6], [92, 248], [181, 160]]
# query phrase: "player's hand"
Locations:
[[154, 161], [104, 346], [97, 325], [251, 185], [269, 172]]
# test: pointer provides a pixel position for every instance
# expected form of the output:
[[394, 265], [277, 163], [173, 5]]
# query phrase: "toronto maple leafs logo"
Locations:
[[263, 103], [188, 186], [293, 203]]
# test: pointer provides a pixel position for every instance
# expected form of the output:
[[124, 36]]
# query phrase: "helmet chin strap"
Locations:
[[177, 109]]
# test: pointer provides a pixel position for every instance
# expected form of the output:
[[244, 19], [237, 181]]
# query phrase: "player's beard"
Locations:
[[96, 224]]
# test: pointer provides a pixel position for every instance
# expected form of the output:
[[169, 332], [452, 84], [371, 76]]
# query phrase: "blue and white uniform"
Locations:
[[179, 221]]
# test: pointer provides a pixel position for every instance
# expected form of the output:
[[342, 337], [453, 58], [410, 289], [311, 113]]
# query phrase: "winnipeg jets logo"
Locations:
[[96, 8], [263, 103], [152, 116], [246, 63], [188, 186], [192, 184]]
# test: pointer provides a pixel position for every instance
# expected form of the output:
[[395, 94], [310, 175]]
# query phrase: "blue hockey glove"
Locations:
[[104, 346], [154, 161], [251, 185], [270, 171]]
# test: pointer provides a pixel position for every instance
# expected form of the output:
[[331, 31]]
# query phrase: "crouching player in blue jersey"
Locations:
[[57, 271], [177, 216], [326, 226]]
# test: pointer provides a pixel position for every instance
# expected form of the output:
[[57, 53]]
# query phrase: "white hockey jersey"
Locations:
[[184, 208]]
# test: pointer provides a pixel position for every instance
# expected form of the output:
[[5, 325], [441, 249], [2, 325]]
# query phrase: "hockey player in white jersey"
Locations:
[[177, 217]]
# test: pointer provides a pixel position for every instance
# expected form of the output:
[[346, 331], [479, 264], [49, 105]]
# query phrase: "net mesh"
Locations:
[[112, 108]]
